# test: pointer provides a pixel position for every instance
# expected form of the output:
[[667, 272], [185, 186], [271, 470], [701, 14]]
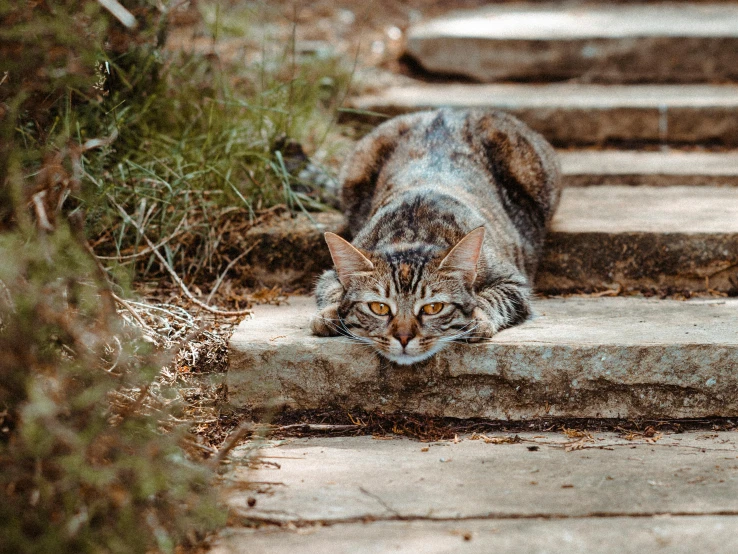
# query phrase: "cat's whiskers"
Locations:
[[462, 335], [352, 336], [338, 325], [330, 323]]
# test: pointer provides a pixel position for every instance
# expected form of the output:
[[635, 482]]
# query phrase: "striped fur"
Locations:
[[412, 190]]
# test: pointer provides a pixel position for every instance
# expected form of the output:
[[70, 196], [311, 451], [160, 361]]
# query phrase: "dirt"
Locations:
[[334, 422]]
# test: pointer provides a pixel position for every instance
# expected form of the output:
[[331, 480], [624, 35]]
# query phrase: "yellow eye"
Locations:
[[432, 309], [379, 308]]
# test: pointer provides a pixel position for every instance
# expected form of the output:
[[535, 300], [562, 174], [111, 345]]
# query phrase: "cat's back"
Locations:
[[485, 167]]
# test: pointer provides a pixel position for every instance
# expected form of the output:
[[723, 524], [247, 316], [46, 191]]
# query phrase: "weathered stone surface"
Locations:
[[596, 357], [335, 480], [607, 43], [618, 535], [605, 494], [289, 250], [576, 114], [639, 237], [618, 209], [634, 168]]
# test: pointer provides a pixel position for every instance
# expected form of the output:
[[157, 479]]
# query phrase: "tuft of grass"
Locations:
[[183, 140], [214, 138]]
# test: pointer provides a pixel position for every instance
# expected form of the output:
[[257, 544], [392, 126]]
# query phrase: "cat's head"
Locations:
[[410, 300]]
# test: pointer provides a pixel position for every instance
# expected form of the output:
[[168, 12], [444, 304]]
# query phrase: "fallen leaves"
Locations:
[[649, 434], [496, 440], [583, 438]]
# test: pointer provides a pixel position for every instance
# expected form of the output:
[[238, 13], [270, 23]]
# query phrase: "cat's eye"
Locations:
[[379, 308], [433, 308]]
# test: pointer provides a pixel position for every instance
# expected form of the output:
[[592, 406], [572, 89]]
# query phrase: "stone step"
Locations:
[[530, 493], [638, 168], [569, 114], [607, 43], [608, 535], [579, 357], [641, 238]]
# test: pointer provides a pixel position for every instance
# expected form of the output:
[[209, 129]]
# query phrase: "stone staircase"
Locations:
[[666, 43], [657, 216]]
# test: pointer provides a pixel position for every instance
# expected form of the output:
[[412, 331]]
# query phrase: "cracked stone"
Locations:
[[334, 480], [579, 357]]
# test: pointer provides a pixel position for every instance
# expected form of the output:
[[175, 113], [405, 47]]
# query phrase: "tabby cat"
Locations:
[[447, 210]]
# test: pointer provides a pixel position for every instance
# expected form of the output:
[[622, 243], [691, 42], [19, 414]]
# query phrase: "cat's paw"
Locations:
[[483, 328], [326, 322]]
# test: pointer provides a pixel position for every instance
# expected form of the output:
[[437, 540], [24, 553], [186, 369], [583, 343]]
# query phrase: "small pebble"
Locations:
[[394, 33], [347, 17], [251, 501]]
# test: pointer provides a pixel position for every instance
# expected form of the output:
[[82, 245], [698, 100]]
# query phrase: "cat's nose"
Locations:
[[404, 338]]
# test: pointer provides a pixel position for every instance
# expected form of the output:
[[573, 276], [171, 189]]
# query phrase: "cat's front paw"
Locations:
[[482, 327], [326, 322]]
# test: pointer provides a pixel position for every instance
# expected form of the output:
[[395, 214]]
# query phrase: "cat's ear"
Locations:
[[465, 255], [347, 258]]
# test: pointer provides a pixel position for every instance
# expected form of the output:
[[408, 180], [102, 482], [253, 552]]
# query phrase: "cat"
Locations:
[[448, 210]]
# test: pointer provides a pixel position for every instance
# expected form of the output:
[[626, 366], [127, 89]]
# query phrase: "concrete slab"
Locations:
[[351, 479], [638, 237], [623, 209], [618, 535], [612, 43], [578, 114], [639, 168], [641, 237], [580, 357]]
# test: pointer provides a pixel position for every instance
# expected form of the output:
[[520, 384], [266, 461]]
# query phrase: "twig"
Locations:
[[130, 309], [609, 292], [232, 440], [203, 447], [318, 427], [43, 219], [219, 281], [119, 12], [132, 408], [173, 274], [117, 358]]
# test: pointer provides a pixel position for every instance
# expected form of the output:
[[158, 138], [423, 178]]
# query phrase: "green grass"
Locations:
[[207, 141], [182, 140]]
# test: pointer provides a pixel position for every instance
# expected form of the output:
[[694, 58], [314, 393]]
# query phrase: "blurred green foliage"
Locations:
[[79, 473], [82, 468]]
